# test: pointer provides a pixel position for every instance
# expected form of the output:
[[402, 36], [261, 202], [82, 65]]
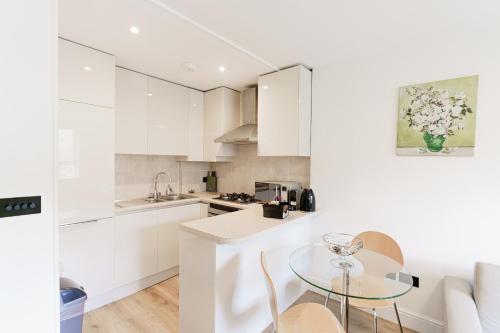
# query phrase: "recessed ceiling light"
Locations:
[[264, 87], [149, 94], [87, 68], [222, 68], [134, 30], [188, 66]]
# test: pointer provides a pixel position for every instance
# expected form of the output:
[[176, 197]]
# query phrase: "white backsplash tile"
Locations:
[[245, 169], [134, 175]]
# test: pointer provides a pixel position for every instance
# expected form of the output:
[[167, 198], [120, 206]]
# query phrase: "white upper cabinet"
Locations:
[[168, 112], [86, 75], [196, 109], [284, 107], [131, 112], [153, 115], [222, 114], [86, 162]]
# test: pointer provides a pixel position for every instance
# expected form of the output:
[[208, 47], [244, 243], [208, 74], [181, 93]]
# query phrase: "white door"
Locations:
[[136, 247], [86, 75], [131, 112], [168, 113], [168, 233], [86, 253], [86, 162]]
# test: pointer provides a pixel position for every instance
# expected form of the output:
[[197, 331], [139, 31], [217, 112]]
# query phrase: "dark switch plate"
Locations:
[[20, 206]]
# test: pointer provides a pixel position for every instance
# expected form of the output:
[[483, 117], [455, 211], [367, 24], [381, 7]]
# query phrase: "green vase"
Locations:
[[434, 143]]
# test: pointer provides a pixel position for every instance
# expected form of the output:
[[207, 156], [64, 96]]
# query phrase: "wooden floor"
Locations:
[[156, 310]]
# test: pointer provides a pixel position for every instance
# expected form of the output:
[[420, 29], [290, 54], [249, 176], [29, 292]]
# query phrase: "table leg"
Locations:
[[344, 305]]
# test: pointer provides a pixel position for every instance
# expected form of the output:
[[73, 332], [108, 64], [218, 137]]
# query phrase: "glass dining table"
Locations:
[[369, 275]]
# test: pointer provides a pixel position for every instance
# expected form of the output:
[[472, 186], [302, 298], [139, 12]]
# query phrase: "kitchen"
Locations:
[[159, 157], [142, 154]]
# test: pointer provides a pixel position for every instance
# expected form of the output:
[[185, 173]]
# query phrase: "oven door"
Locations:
[[216, 209]]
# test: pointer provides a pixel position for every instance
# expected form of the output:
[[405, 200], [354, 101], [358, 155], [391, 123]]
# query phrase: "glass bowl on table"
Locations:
[[343, 245]]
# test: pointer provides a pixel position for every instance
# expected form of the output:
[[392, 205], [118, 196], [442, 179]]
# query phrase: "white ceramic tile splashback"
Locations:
[[135, 174], [246, 168]]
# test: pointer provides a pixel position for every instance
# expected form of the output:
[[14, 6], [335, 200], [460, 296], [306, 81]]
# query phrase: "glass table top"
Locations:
[[373, 275]]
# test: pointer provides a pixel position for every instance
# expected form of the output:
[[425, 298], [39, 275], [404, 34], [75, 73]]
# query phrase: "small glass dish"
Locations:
[[343, 245]]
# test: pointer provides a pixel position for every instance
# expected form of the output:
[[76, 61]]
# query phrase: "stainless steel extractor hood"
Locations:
[[246, 133]]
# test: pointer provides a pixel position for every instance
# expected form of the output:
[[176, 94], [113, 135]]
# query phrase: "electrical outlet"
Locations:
[[405, 278], [416, 281]]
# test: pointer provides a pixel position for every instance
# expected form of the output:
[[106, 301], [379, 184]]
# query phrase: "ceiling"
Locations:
[[163, 43], [254, 37]]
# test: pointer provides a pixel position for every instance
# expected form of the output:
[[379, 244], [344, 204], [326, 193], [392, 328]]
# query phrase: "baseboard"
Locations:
[[409, 319], [129, 289], [412, 320]]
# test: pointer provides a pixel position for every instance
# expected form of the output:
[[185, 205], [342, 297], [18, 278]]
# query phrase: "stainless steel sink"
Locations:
[[170, 197]]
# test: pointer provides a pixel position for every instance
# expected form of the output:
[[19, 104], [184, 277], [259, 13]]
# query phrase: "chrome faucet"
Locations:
[[168, 190], [156, 194]]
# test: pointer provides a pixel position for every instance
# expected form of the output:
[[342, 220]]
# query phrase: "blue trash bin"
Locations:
[[73, 299]]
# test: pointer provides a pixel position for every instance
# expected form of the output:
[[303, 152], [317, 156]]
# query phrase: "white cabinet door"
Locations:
[[222, 114], [86, 255], [86, 75], [136, 247], [285, 105], [86, 162], [131, 112], [203, 210], [168, 114], [168, 233], [195, 151]]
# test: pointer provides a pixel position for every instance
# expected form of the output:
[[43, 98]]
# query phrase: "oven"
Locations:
[[217, 209]]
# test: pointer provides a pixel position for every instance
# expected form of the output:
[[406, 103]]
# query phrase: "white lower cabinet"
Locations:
[[107, 254], [168, 233], [86, 255], [136, 247], [203, 210]]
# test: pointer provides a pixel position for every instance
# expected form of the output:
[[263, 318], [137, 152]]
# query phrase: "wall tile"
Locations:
[[246, 168], [134, 175]]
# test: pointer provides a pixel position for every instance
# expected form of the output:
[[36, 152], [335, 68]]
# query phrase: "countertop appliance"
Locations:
[[307, 201], [216, 209], [271, 190], [241, 198]]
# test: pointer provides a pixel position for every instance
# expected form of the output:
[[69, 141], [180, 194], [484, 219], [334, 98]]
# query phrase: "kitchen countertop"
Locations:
[[139, 204], [227, 228], [239, 226]]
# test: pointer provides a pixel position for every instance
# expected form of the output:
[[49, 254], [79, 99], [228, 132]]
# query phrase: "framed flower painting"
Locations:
[[438, 118]]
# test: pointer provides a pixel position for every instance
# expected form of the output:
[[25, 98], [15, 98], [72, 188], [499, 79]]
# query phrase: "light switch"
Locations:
[[20, 206]]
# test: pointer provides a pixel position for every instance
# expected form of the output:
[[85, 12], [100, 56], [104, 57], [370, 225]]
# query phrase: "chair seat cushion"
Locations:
[[309, 318], [487, 296]]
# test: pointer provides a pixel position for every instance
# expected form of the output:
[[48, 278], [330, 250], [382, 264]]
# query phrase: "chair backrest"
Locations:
[[379, 242], [273, 302], [487, 296]]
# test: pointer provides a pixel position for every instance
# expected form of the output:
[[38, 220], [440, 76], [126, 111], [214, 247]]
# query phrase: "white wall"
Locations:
[[443, 211], [28, 283]]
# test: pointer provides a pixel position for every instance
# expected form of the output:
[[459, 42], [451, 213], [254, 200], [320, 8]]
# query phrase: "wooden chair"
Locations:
[[301, 318], [383, 244]]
